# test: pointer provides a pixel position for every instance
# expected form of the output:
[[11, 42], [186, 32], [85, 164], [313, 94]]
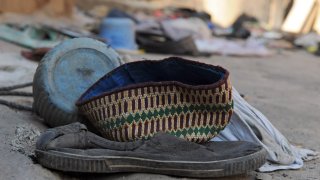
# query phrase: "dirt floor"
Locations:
[[285, 87]]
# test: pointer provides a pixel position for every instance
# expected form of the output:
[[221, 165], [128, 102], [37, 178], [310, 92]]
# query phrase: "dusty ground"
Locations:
[[284, 87]]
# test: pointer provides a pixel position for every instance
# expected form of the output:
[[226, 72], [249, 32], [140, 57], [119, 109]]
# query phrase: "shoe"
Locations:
[[72, 148]]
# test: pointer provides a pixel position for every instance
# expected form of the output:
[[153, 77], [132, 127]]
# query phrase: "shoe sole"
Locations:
[[111, 164]]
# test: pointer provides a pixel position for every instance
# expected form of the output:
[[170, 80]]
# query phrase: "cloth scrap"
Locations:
[[249, 124]]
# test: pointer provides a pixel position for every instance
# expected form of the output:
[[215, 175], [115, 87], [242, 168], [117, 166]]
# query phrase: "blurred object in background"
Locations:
[[279, 9], [35, 54], [301, 17], [74, 33], [220, 46], [173, 26], [309, 42], [30, 36], [238, 29], [119, 32], [116, 13], [51, 7], [182, 27], [306, 40]]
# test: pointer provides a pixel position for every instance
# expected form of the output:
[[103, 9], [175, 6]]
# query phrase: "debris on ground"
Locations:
[[25, 139]]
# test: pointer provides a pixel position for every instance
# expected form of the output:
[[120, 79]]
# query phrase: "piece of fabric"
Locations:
[[164, 37], [178, 29], [249, 124], [250, 47]]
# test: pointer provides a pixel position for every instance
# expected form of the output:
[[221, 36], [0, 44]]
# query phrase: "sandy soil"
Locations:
[[285, 87]]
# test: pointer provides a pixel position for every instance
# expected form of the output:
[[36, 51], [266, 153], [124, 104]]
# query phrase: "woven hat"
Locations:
[[184, 98]]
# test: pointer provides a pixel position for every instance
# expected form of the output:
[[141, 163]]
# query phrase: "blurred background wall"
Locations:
[[295, 16], [223, 12]]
